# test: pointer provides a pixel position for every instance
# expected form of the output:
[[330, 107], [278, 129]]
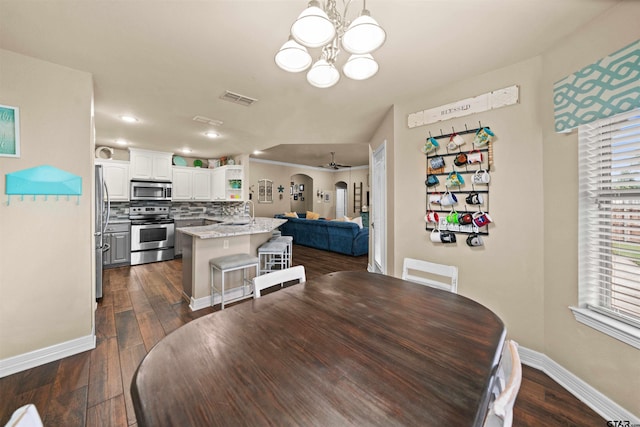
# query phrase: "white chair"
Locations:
[[509, 379], [25, 416], [278, 277], [430, 272]]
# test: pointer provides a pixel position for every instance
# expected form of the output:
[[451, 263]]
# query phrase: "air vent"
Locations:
[[238, 99], [207, 120]]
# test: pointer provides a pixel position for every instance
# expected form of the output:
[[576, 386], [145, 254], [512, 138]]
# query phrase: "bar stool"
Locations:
[[272, 255], [289, 241], [228, 263]]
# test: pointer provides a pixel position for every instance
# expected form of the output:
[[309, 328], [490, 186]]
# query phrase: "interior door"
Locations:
[[379, 209]]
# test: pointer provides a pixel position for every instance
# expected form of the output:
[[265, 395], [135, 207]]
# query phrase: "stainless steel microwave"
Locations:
[[150, 190]]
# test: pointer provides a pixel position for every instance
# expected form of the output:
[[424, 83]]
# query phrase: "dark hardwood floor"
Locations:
[[142, 304]]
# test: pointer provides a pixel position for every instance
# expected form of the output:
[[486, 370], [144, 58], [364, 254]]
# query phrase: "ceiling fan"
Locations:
[[333, 164]]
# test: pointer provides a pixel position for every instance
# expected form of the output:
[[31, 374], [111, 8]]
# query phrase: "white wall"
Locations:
[[607, 364], [527, 271], [46, 249]]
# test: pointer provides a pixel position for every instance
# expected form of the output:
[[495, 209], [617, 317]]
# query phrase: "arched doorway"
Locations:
[[301, 193], [341, 199]]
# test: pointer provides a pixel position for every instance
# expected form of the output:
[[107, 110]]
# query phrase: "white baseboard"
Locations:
[[41, 356], [204, 302], [601, 404]]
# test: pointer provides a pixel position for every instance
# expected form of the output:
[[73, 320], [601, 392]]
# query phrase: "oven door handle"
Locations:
[[152, 225]]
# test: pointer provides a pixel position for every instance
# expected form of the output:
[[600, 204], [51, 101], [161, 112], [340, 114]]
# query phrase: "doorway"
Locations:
[[341, 199], [379, 209], [301, 193]]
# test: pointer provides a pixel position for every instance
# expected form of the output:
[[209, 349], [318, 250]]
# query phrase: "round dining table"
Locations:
[[343, 349]]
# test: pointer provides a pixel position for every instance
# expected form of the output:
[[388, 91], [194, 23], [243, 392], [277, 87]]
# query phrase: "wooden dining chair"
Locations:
[[431, 274], [278, 277], [509, 379]]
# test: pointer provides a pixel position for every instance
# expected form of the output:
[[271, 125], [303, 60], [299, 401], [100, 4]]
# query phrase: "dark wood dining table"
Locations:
[[344, 349]]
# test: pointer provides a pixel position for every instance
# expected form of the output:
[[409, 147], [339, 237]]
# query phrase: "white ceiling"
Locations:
[[168, 61]]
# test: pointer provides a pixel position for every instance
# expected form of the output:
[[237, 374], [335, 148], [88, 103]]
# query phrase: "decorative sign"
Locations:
[[488, 101], [608, 87], [9, 131]]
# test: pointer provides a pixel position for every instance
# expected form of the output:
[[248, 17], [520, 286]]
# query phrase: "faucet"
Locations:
[[253, 210]]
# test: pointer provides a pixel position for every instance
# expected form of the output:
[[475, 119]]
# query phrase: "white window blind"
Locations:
[[609, 217]]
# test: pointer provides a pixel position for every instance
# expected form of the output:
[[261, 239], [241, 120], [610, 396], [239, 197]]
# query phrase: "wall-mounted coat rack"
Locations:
[[44, 181]]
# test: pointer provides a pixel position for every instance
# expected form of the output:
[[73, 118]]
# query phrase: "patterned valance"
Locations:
[[608, 87]]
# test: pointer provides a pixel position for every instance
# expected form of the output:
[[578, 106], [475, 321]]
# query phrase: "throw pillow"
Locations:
[[291, 215], [357, 220], [312, 215]]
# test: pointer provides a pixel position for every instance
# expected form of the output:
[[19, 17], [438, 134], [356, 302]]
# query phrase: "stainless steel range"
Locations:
[[152, 232]]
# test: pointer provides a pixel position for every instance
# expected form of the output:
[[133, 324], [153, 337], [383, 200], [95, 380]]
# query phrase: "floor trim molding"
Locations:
[[12, 365], [605, 407], [204, 302]]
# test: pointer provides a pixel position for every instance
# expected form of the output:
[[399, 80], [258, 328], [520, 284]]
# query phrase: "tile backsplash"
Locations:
[[120, 210]]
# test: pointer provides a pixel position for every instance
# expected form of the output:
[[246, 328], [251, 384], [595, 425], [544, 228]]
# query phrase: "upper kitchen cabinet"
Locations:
[[227, 183], [116, 177], [192, 183], [152, 165]]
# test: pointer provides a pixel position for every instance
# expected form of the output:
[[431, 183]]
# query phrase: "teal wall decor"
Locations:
[[43, 181], [607, 87]]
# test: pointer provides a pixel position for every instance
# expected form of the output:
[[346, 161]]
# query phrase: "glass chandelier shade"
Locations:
[[313, 28], [323, 74], [360, 67], [293, 57], [364, 35]]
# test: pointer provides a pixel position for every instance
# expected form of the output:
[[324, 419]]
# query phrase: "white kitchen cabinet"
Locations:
[[116, 176], [191, 184], [228, 182], [152, 165]]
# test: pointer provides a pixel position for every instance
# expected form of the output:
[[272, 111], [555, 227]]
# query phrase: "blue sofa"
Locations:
[[336, 236]]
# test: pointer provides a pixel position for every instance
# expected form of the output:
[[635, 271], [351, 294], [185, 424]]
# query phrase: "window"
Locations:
[[609, 226]]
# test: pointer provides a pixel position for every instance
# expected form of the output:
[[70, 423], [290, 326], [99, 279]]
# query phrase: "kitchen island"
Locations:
[[200, 244]]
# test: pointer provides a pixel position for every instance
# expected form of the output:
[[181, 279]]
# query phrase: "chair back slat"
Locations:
[[278, 277], [448, 274]]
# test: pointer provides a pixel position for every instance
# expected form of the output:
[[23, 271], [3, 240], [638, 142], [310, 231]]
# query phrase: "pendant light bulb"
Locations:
[[364, 35], [313, 28], [360, 67], [293, 57], [323, 74]]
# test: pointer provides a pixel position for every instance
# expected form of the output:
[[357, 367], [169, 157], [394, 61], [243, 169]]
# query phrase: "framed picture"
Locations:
[[295, 197], [301, 187], [327, 197], [9, 131]]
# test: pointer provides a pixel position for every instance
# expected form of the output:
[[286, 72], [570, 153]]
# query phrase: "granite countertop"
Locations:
[[229, 228]]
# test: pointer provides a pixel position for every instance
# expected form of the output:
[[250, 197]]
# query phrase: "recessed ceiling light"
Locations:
[[129, 119], [186, 150], [256, 152], [121, 141], [211, 134]]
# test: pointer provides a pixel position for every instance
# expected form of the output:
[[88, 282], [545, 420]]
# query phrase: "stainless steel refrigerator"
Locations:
[[102, 209]]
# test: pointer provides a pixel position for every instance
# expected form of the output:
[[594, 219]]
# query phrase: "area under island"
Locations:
[[200, 244]]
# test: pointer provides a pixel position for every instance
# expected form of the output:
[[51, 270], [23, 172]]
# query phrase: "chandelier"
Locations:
[[324, 27]]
